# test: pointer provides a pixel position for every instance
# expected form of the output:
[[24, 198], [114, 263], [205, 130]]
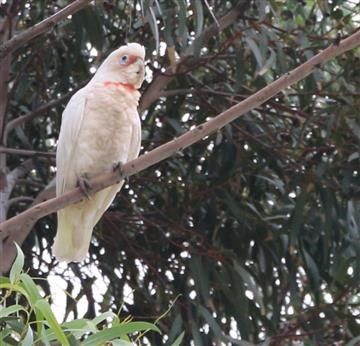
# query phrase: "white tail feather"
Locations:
[[72, 238], [76, 223]]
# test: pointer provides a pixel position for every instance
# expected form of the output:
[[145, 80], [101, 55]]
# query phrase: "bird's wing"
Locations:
[[72, 120], [135, 141]]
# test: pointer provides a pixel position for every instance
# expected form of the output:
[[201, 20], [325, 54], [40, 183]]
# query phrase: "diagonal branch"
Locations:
[[38, 29], [18, 172], [166, 150], [26, 152]]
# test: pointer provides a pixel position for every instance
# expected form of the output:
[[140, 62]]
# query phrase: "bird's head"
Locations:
[[124, 65]]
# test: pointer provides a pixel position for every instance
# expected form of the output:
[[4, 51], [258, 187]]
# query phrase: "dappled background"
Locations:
[[250, 234]]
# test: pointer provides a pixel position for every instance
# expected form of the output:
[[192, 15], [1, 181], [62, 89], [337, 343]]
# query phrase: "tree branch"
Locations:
[[18, 172], [164, 151], [19, 199], [17, 41]]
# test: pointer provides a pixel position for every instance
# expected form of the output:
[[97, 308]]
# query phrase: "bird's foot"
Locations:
[[118, 167], [85, 185]]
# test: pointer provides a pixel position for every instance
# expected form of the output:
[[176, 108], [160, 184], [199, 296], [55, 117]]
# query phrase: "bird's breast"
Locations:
[[110, 122]]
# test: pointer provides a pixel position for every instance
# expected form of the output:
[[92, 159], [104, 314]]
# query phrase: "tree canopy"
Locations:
[[253, 233]]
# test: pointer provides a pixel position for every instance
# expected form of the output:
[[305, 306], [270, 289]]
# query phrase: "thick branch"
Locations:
[[45, 25], [166, 150], [161, 81]]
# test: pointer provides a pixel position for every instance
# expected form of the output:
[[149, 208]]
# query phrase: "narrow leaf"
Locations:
[[46, 311], [199, 17], [29, 338], [17, 266], [183, 31], [109, 334], [150, 16], [30, 288], [178, 340], [10, 310]]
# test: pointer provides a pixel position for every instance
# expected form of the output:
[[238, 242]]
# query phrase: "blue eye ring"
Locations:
[[124, 59]]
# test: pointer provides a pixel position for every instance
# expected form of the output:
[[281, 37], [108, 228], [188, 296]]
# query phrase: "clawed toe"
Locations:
[[85, 186], [117, 166]]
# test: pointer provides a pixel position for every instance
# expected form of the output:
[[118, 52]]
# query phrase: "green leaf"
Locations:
[[199, 11], [109, 334], [33, 296], [4, 280], [269, 63], [183, 31], [151, 18], [89, 21], [233, 205], [176, 125], [354, 342], [44, 307], [30, 288], [18, 265], [78, 328], [168, 30], [312, 268], [251, 284], [296, 220], [102, 317], [28, 340], [353, 126], [256, 51], [200, 274], [175, 329], [10, 310], [196, 334], [121, 343], [240, 71], [178, 340]]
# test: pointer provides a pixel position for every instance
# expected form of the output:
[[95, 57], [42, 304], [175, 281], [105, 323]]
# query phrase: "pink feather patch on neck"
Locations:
[[127, 86]]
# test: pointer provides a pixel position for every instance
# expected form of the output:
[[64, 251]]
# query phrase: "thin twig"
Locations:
[[19, 199], [18, 172], [24, 152]]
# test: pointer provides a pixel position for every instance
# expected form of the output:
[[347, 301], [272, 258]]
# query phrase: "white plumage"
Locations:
[[100, 127]]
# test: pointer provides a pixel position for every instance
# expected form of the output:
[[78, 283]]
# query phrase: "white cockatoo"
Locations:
[[100, 128]]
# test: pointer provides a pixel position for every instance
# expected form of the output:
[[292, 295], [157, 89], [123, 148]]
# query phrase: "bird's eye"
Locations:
[[124, 59]]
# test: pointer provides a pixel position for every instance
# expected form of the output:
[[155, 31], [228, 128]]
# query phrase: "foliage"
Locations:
[[33, 311], [257, 226]]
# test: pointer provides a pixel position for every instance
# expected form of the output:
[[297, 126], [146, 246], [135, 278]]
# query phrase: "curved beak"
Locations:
[[140, 72]]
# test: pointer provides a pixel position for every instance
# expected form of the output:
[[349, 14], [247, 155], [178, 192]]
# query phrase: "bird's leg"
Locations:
[[117, 167], [84, 185]]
